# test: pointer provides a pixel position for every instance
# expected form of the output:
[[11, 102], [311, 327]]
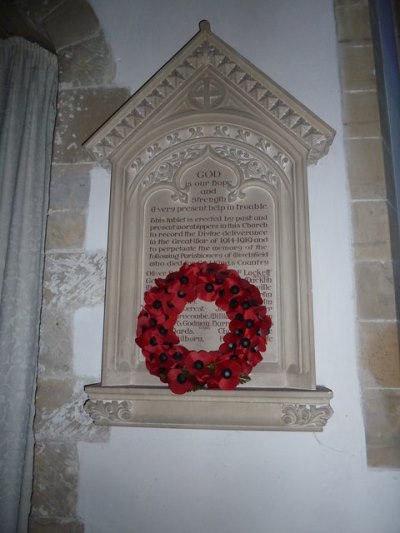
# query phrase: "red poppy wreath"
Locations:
[[187, 370]]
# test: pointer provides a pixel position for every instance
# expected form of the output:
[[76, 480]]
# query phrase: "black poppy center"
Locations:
[[209, 287], [157, 304], [184, 280], [250, 323], [177, 356], [235, 289], [163, 357], [245, 343], [227, 373], [153, 341], [181, 379], [198, 365], [181, 294]]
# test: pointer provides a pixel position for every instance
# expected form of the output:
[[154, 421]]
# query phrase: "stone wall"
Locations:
[[73, 278], [374, 254]]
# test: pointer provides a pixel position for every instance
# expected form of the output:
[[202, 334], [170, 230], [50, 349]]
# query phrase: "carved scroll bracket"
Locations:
[[310, 416]]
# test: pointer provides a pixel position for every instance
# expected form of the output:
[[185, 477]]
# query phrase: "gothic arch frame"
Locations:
[[210, 102]]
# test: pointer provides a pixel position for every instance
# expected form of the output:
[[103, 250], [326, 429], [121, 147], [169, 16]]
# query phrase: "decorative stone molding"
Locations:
[[251, 168], [310, 416], [107, 412], [207, 51], [210, 114], [245, 139], [284, 410]]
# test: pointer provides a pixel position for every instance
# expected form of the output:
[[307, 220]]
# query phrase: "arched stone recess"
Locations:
[[209, 163]]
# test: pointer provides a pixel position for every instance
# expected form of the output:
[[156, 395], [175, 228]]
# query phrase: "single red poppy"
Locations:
[[143, 323], [207, 289], [158, 304], [227, 375], [183, 283], [201, 365], [149, 339], [249, 360], [179, 382]]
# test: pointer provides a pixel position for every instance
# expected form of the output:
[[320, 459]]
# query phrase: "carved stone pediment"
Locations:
[[209, 112], [217, 77]]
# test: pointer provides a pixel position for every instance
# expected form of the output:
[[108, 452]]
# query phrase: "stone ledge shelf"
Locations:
[[243, 409]]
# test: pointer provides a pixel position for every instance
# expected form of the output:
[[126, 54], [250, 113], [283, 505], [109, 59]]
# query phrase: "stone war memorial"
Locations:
[[209, 164]]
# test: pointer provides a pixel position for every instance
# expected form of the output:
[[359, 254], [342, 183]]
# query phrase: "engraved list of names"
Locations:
[[220, 222]]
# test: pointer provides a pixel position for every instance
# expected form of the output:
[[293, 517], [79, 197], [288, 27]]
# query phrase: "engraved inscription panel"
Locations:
[[219, 218]]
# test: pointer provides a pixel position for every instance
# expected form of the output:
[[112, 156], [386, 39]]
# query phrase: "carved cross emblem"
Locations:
[[206, 93]]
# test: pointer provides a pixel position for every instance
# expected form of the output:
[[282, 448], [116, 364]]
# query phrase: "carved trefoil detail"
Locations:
[[244, 138]]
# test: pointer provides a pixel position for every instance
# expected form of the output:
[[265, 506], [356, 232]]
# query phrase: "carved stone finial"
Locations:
[[204, 25]]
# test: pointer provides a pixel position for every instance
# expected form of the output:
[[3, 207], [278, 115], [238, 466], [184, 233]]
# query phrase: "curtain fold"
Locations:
[[28, 90]]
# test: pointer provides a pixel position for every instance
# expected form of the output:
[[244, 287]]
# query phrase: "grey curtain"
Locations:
[[28, 89]]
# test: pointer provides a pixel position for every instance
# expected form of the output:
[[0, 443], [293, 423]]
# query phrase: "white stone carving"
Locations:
[[123, 406], [250, 166], [206, 49], [207, 93], [210, 111], [310, 416], [107, 412], [246, 138]]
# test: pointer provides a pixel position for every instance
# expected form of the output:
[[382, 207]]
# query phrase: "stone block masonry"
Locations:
[[373, 252], [73, 277]]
